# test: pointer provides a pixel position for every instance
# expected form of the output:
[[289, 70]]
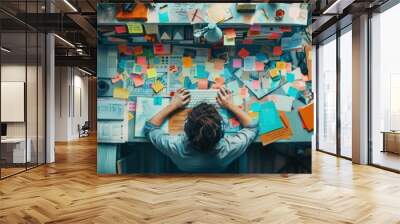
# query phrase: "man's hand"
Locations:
[[224, 98], [180, 99]]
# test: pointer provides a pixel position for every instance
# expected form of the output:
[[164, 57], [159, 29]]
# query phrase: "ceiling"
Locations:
[[76, 23]]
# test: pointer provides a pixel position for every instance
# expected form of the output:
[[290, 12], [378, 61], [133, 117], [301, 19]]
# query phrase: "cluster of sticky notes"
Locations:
[[157, 86], [134, 28]]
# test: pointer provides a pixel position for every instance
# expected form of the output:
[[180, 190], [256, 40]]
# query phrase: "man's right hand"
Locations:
[[224, 98]]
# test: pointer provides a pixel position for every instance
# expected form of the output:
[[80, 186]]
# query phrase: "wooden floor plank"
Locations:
[[70, 191]]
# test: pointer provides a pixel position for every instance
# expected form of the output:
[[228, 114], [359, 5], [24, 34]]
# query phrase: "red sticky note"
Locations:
[[273, 36], [202, 84], [277, 51], [286, 29], [259, 66], [243, 53], [234, 122], [120, 29], [160, 49], [247, 41]]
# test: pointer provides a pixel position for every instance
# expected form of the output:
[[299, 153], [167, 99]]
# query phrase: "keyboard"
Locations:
[[200, 96]]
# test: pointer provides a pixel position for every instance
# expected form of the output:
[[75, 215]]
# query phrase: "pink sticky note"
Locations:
[[288, 67], [237, 63], [131, 106], [255, 84], [141, 60], [219, 64], [234, 122], [202, 84], [243, 53], [243, 92], [116, 78], [259, 66]]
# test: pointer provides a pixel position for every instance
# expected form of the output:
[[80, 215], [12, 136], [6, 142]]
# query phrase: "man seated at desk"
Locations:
[[203, 147]]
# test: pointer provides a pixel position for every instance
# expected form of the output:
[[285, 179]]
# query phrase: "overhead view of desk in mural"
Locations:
[[260, 52]]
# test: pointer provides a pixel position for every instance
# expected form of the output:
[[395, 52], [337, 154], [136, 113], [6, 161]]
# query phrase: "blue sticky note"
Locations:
[[255, 107], [269, 118], [249, 63], [157, 100], [290, 77], [201, 72], [187, 83], [272, 64], [293, 92], [163, 17], [261, 57]]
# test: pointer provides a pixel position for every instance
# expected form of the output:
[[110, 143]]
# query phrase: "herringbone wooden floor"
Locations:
[[69, 191]]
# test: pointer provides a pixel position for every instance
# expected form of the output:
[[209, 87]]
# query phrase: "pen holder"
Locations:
[[213, 33]]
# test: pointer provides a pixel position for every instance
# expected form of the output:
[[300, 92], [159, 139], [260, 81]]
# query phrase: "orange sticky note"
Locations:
[[219, 82], [281, 65], [116, 78], [137, 50], [230, 33], [277, 51], [187, 62], [202, 83], [122, 49], [274, 72]]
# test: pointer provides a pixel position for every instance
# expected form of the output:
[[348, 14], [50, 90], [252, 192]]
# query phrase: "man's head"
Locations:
[[204, 127]]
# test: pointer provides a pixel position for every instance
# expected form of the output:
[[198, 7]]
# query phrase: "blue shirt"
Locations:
[[188, 159]]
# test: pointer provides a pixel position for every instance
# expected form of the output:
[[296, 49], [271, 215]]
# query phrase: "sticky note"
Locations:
[[137, 80], [281, 65], [120, 29], [219, 64], [161, 49], [259, 66], [157, 86], [219, 82], [134, 27], [116, 78], [230, 33], [120, 93], [187, 62], [229, 41], [274, 73], [201, 72], [277, 51], [243, 53], [163, 17], [234, 122], [243, 92], [255, 84], [261, 57], [151, 73], [202, 84], [122, 49], [292, 92], [130, 116], [141, 60], [290, 77], [269, 118], [255, 107], [249, 63], [132, 106], [137, 50], [138, 69], [237, 63], [187, 83], [157, 100]]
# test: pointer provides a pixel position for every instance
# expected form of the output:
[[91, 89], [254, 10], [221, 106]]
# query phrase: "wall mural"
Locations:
[[246, 67]]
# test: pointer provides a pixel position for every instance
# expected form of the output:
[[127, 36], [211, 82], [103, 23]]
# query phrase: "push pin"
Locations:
[[279, 14]]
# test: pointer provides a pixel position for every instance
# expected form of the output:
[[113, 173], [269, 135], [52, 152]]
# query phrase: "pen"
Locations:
[[265, 14], [194, 14]]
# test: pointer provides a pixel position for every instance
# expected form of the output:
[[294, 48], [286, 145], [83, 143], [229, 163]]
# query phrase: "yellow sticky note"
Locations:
[[274, 73], [121, 93], [280, 65], [130, 116], [151, 73], [253, 114], [157, 86], [135, 27], [187, 62]]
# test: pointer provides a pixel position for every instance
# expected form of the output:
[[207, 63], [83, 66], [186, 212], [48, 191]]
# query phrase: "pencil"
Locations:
[[194, 14]]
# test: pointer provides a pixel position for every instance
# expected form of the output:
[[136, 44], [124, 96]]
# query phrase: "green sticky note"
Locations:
[[135, 27], [151, 73]]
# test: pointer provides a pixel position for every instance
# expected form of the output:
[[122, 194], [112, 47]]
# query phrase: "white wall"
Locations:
[[70, 83]]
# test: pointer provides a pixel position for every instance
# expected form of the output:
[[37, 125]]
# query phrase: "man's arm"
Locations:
[[179, 100], [225, 100]]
